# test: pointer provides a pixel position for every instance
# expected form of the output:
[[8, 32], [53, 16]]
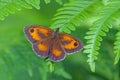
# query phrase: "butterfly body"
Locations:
[[51, 44]]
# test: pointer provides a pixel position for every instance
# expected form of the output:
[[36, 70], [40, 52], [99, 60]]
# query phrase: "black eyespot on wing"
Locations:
[[31, 30], [75, 44]]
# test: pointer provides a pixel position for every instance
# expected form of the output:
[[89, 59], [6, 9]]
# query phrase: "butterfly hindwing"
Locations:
[[42, 48], [57, 53]]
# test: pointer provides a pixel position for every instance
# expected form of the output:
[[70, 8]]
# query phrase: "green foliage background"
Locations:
[[89, 20]]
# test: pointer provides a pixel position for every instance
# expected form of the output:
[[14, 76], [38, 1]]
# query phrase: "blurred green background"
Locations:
[[18, 61]]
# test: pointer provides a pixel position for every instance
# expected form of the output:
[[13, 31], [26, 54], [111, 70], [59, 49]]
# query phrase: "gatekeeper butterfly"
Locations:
[[51, 44]]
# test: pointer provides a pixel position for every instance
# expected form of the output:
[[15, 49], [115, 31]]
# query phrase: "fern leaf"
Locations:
[[117, 47], [99, 29], [34, 3], [12, 6], [70, 15]]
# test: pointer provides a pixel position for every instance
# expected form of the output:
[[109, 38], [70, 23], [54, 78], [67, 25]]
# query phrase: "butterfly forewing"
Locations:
[[40, 38], [37, 33], [69, 43]]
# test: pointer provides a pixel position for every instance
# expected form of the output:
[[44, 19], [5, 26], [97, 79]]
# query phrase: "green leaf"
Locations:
[[99, 29], [34, 3], [12, 6], [70, 15], [117, 48]]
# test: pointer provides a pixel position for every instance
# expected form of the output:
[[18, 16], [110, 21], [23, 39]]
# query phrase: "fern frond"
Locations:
[[70, 15], [117, 47], [99, 29], [12, 6]]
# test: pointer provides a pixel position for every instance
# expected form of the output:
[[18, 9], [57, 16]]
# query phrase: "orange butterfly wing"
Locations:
[[42, 47], [40, 37], [62, 45], [57, 53], [37, 33], [69, 43]]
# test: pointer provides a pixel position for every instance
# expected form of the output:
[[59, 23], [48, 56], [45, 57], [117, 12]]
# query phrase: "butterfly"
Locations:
[[51, 44]]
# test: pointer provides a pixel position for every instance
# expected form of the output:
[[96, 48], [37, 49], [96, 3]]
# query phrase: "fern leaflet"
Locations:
[[12, 6], [34, 3], [70, 15], [99, 29], [117, 47]]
